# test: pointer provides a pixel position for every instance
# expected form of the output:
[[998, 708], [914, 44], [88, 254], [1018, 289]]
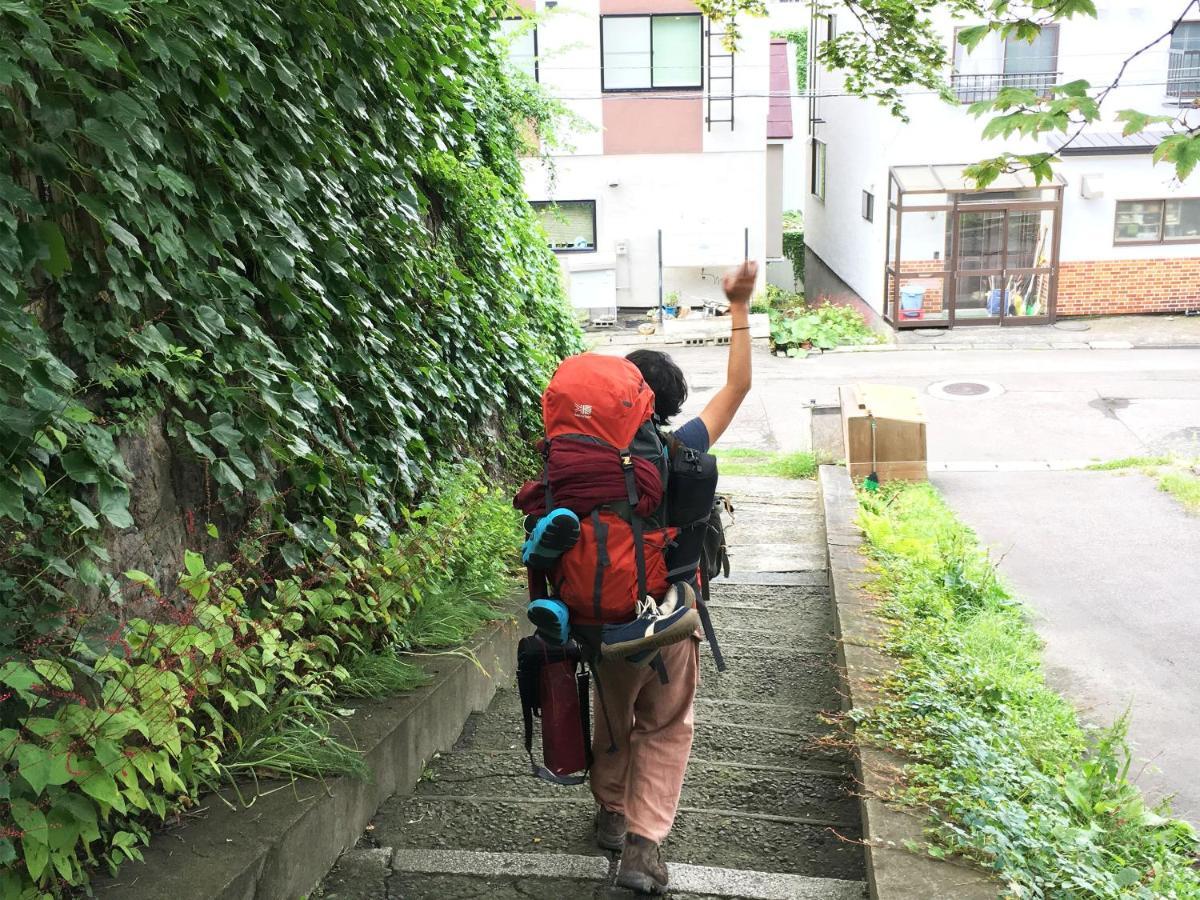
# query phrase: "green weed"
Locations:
[[1129, 462], [381, 674], [765, 462], [1184, 487], [292, 738], [1009, 776]]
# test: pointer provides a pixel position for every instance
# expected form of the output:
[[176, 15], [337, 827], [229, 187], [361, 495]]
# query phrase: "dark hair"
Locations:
[[665, 379]]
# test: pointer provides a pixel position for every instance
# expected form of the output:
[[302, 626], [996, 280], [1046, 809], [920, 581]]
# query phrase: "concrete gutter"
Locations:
[[893, 871], [288, 838]]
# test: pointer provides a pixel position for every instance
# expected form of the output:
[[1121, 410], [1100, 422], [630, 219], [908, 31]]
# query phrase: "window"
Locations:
[[997, 63], [1183, 72], [868, 206], [1158, 221], [830, 27], [522, 45], [647, 52], [818, 169], [569, 224]]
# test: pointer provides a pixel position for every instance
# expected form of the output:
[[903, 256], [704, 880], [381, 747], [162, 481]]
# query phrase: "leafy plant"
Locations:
[[999, 762], [797, 328]]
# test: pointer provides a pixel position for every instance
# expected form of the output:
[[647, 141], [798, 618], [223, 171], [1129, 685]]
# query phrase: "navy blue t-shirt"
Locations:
[[694, 434]]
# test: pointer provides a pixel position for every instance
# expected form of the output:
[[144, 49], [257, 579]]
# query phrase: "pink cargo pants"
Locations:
[[652, 726]]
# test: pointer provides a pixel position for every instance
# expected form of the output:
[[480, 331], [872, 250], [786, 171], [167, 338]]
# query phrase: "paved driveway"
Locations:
[[1108, 564]]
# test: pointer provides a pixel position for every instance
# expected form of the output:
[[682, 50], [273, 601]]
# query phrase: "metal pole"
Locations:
[[747, 243], [660, 278]]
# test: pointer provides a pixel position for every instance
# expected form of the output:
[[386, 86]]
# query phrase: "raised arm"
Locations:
[[719, 412]]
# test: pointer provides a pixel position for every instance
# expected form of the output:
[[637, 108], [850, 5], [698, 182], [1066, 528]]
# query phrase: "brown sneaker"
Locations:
[[610, 829], [642, 866]]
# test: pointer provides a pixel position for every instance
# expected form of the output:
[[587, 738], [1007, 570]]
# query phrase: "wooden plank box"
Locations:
[[900, 450]]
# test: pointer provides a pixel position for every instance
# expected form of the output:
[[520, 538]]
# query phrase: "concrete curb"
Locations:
[[284, 843], [893, 872]]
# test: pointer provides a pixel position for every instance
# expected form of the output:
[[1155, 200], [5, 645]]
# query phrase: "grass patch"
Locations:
[[735, 461], [381, 674], [1130, 462], [294, 739], [1184, 487], [444, 620], [1175, 476], [1011, 779]]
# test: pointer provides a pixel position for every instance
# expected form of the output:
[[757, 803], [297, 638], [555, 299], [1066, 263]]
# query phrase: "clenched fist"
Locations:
[[739, 284]]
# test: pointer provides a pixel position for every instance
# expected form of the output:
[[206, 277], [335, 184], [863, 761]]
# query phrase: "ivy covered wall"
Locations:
[[282, 245], [266, 269]]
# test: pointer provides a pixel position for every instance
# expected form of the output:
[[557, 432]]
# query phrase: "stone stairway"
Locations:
[[767, 810]]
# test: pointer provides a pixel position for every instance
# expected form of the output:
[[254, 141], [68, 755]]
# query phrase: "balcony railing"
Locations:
[[973, 88], [1183, 74]]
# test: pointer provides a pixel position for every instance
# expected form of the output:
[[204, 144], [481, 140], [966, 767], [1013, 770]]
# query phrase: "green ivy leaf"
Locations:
[[12, 502], [86, 517], [98, 53], [56, 260], [8, 853], [222, 430], [114, 504], [80, 468], [54, 673]]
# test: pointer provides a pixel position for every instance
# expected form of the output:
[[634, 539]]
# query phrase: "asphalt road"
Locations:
[[1106, 563]]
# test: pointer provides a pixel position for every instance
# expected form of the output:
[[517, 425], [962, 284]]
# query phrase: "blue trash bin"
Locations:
[[995, 304], [912, 302]]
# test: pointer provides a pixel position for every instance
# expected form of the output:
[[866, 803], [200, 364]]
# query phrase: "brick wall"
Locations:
[[934, 287], [1128, 286]]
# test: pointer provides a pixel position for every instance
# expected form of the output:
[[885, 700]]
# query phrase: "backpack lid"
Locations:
[[598, 396]]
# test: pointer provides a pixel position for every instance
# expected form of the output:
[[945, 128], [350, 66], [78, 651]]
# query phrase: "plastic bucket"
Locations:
[[912, 301]]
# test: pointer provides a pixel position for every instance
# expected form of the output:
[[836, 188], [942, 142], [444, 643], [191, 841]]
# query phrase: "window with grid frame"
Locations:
[[570, 225], [868, 206], [1183, 72], [651, 52], [817, 184], [522, 37], [1174, 221]]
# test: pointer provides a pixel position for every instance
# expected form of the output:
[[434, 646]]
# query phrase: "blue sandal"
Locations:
[[554, 535]]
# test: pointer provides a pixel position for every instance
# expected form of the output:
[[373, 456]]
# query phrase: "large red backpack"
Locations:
[[601, 408]]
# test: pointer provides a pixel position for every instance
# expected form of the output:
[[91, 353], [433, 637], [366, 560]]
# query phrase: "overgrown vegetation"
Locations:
[[1177, 476], [793, 243], [797, 327], [736, 461], [1009, 777], [274, 260], [798, 38], [230, 673]]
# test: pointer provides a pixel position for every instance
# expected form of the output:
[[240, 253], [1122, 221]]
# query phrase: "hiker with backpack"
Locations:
[[616, 527]]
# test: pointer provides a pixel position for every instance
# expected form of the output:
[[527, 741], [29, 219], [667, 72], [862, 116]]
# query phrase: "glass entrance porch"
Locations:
[[958, 256]]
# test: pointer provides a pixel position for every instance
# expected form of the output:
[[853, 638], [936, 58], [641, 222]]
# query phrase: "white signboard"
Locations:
[[711, 248]]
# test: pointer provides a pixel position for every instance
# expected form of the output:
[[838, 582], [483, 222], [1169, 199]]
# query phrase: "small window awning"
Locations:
[[951, 180]]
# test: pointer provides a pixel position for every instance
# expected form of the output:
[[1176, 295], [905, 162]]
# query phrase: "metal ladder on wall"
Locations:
[[720, 81]]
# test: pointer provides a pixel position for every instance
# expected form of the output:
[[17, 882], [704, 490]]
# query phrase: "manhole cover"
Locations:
[[965, 390], [1072, 325]]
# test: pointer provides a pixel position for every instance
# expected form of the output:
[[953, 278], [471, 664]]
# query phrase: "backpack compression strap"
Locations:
[[710, 634], [635, 521]]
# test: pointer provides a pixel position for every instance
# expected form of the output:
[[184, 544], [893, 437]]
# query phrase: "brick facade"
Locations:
[[934, 286], [1116, 287]]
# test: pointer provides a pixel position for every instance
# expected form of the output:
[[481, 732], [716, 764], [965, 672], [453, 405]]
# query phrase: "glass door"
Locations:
[[1002, 264]]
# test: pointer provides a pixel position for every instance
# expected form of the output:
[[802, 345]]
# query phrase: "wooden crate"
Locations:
[[900, 451]]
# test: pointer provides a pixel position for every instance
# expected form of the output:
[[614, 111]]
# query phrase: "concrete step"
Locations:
[[384, 874], [811, 794], [727, 838]]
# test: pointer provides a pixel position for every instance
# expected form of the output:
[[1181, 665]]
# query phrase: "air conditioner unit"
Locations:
[[1092, 186]]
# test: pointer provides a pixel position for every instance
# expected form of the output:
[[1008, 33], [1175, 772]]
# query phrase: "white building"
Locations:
[[666, 183], [890, 224]]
